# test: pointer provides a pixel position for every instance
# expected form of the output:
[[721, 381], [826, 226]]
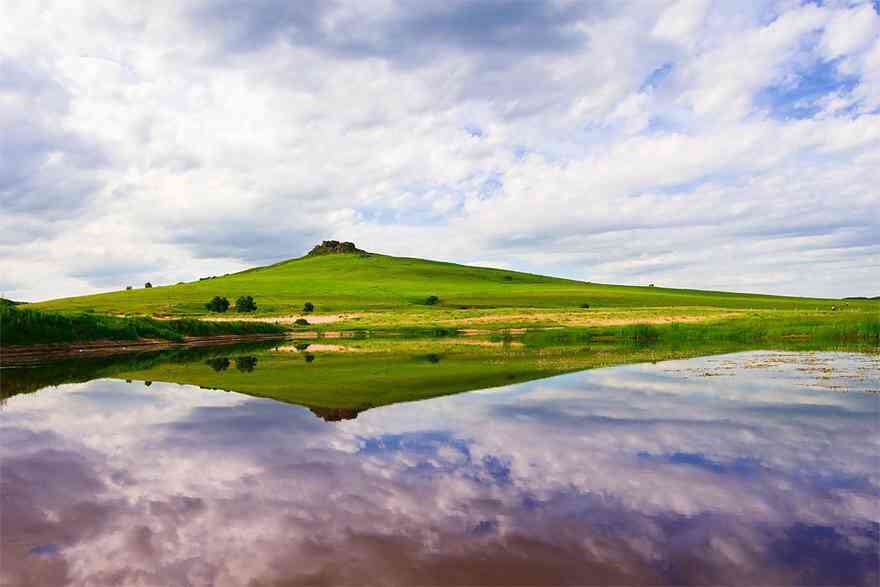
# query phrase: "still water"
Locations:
[[748, 468]]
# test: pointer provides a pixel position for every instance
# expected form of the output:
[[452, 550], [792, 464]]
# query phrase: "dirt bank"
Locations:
[[41, 353]]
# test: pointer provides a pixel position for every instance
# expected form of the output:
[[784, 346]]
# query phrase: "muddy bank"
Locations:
[[41, 353]]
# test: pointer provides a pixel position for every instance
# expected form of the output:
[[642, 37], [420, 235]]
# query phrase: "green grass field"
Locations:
[[359, 283]]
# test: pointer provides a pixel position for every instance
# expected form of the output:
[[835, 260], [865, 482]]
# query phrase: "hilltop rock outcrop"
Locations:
[[335, 248]]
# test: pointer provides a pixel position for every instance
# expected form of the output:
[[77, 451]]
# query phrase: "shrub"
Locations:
[[300, 322], [585, 306], [245, 304], [218, 304], [245, 364], [127, 288], [432, 300], [308, 308], [508, 278], [148, 285], [218, 364]]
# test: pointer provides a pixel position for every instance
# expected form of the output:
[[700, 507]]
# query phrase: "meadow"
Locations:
[[365, 283], [383, 294]]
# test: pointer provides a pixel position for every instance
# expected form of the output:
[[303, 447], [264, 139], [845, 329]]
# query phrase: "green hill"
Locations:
[[358, 281]]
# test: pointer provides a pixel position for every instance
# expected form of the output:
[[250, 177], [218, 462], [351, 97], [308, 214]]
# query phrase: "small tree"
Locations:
[[245, 364], [218, 363], [148, 284], [127, 288], [245, 304], [218, 304], [308, 308]]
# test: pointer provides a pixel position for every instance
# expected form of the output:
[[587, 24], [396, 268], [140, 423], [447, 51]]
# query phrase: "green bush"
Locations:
[[218, 363], [218, 304], [432, 300], [245, 364], [245, 304], [300, 322], [308, 308]]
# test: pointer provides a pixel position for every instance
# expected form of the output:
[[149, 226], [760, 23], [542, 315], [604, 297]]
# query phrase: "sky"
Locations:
[[716, 145]]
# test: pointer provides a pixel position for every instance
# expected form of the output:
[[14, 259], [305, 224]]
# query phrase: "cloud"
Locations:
[[404, 32], [209, 136]]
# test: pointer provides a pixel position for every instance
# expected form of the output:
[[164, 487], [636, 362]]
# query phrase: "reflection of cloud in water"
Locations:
[[624, 475]]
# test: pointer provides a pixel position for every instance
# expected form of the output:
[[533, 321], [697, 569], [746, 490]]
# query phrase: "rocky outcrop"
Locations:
[[335, 248], [337, 414]]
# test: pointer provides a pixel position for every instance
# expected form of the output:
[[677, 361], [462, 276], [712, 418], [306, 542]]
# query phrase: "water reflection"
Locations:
[[645, 474]]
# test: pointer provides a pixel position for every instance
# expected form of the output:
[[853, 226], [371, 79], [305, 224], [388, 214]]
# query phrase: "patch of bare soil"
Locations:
[[310, 318], [478, 332], [316, 347], [581, 318]]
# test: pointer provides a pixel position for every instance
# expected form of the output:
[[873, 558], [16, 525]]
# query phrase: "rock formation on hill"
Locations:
[[335, 248]]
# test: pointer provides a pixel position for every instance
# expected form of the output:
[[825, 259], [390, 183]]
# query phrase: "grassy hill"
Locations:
[[361, 282]]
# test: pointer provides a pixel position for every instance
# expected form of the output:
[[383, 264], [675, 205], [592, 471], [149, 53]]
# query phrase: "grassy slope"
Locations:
[[336, 283]]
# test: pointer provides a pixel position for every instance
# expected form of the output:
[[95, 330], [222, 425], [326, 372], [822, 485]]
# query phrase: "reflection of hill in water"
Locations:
[[337, 414], [339, 385], [15, 380]]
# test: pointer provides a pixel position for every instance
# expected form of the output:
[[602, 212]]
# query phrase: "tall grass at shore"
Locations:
[[20, 326], [860, 328]]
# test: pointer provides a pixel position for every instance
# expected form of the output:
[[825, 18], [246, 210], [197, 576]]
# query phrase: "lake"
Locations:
[[513, 468]]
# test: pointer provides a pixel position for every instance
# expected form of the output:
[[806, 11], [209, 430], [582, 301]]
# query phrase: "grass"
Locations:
[[379, 371], [379, 293], [860, 331], [376, 283], [22, 326]]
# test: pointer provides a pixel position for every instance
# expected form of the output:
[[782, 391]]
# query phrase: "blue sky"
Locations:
[[687, 143]]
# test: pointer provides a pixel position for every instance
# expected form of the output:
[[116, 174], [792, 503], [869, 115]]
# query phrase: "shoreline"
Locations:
[[24, 355]]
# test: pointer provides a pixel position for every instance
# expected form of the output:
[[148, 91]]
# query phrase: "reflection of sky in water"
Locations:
[[636, 474]]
